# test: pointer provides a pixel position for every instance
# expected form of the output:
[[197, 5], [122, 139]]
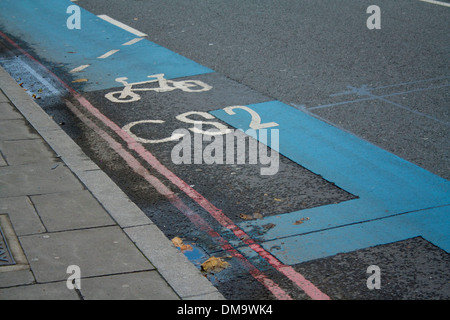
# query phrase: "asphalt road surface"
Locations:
[[357, 122]]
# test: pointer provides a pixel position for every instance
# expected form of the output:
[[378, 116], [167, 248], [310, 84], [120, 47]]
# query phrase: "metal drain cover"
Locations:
[[12, 257], [6, 258]]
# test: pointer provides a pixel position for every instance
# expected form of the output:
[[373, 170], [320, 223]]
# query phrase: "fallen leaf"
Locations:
[[257, 215], [246, 217], [276, 199], [178, 242], [301, 221], [214, 264], [80, 80], [269, 226]]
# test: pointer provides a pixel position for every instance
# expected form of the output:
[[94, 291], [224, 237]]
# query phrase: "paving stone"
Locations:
[[71, 210], [2, 160], [16, 130], [15, 278], [3, 98], [119, 206], [47, 291], [22, 215], [98, 251], [147, 285], [19, 152], [36, 179], [169, 261], [8, 112]]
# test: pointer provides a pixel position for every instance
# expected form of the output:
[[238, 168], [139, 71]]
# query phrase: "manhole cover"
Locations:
[[6, 257], [12, 257]]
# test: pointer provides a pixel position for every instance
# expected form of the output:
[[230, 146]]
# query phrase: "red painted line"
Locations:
[[309, 288], [196, 219]]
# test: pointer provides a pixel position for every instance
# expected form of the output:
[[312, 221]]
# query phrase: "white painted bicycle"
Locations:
[[128, 93]]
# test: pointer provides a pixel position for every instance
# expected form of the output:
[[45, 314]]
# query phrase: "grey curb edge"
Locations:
[[184, 278]]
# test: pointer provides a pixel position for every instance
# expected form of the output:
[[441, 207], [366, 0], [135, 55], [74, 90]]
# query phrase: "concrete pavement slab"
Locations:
[[36, 179], [20, 277], [7, 112], [69, 151], [171, 263], [15, 130], [2, 161], [119, 206], [47, 291], [70, 210], [20, 152], [22, 215], [3, 98], [148, 285], [98, 252]]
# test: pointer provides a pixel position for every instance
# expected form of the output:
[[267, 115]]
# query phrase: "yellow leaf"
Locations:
[[301, 221], [214, 264], [255, 215], [80, 80], [246, 216], [269, 226], [177, 242]]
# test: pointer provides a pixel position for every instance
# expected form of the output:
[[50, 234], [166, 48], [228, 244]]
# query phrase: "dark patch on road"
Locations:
[[412, 269]]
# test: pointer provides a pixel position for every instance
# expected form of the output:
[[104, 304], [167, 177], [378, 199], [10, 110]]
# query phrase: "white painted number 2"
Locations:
[[255, 124]]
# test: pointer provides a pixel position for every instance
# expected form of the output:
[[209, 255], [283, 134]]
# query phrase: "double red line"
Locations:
[[309, 288]]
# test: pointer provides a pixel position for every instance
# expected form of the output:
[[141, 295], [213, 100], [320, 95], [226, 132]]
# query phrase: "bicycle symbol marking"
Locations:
[[128, 93]]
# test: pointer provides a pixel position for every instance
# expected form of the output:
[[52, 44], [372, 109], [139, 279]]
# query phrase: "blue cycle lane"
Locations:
[[42, 27], [396, 200]]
